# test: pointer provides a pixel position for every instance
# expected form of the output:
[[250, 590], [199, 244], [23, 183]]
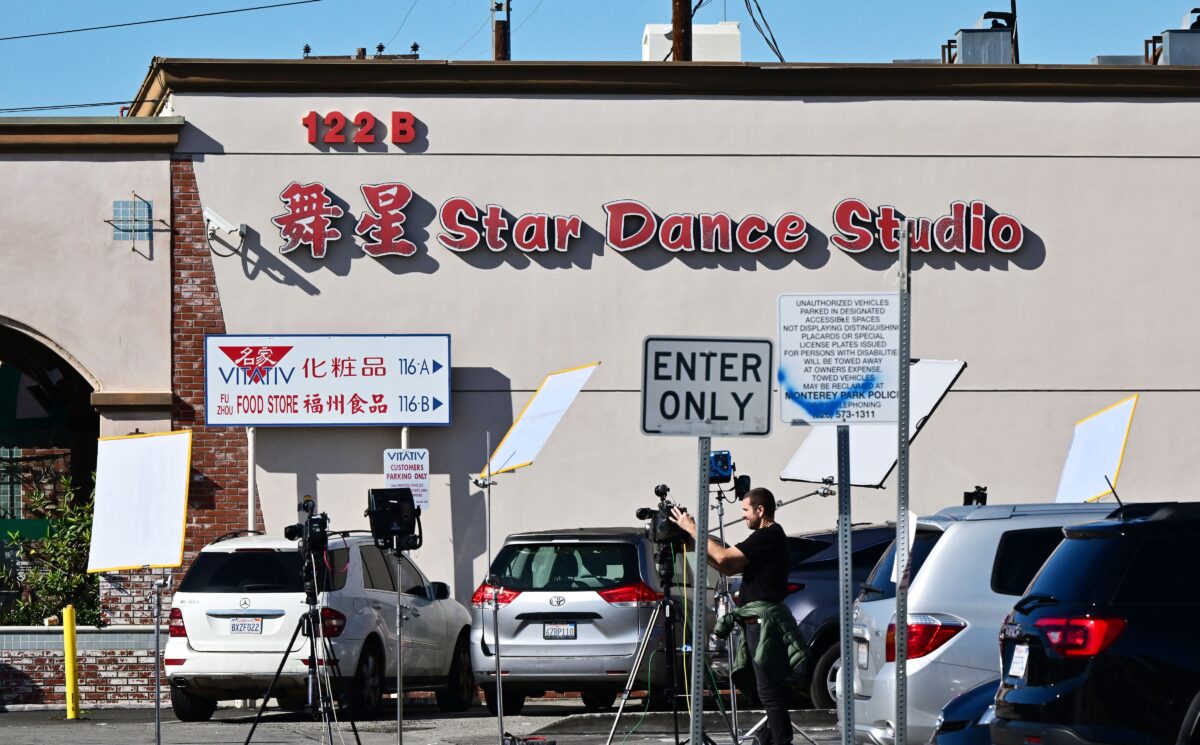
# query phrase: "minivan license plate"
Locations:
[[245, 626], [558, 631], [1016, 668]]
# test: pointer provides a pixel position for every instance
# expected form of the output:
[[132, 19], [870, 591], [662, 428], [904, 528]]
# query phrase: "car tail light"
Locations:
[[175, 625], [794, 587], [173, 661], [926, 633], [1080, 637], [482, 598], [638, 594], [332, 622]]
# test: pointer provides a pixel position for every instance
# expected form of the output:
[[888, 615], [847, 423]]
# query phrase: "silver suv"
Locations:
[[573, 605], [969, 565], [239, 603]]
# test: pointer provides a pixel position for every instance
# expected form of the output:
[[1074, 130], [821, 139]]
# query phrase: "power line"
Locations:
[[57, 107], [522, 23], [768, 35], [471, 38], [406, 15], [156, 20]]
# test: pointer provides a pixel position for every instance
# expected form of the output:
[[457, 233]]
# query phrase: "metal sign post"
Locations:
[[902, 527], [700, 601], [705, 387], [845, 580]]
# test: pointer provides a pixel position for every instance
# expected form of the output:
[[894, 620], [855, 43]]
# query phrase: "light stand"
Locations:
[[158, 585], [485, 481], [724, 596], [400, 618]]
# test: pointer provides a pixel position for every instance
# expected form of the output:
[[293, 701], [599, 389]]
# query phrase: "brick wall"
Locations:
[[217, 502], [104, 676]]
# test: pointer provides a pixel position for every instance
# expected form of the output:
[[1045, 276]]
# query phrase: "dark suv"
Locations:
[[813, 597], [1101, 649]]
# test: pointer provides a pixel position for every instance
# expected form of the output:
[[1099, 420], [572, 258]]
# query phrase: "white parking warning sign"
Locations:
[[701, 387], [408, 468], [839, 358]]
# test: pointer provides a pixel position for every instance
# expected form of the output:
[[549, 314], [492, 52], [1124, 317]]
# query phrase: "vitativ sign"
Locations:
[[311, 215]]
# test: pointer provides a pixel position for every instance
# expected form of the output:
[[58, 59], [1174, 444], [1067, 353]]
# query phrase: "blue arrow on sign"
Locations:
[[436, 404], [437, 366]]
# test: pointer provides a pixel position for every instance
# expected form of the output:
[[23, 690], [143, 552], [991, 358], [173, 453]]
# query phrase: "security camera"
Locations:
[[216, 222]]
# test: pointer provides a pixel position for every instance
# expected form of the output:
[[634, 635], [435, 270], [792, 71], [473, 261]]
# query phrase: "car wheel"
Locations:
[[598, 700], [189, 708], [822, 689], [1189, 732], [514, 701], [459, 693], [366, 698]]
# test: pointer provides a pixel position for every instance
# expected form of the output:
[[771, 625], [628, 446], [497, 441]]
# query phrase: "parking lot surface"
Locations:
[[561, 721]]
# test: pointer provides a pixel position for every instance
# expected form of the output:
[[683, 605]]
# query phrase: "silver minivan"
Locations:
[[969, 565], [573, 605]]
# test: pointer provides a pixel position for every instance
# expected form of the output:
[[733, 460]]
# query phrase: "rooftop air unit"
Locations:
[[719, 42], [1177, 46], [994, 45]]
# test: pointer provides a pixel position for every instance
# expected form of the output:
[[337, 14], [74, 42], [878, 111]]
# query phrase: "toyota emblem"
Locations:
[[245, 603], [558, 601]]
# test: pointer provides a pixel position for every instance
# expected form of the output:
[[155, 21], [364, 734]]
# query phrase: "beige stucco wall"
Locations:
[[1095, 304], [102, 304]]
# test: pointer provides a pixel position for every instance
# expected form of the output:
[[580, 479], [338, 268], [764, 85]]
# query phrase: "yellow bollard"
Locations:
[[69, 657]]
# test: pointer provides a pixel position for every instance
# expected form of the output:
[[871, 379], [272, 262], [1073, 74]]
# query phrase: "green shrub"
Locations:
[[55, 567]]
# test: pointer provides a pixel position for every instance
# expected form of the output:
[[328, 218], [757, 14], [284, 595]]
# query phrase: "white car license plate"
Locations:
[[861, 654], [558, 631], [245, 625], [1020, 658]]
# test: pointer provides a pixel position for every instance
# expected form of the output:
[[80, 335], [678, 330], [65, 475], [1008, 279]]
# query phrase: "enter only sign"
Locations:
[[706, 387]]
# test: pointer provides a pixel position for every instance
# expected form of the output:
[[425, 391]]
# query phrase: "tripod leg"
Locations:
[[637, 665], [274, 680], [337, 671]]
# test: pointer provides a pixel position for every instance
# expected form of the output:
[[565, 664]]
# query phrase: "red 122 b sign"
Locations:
[[403, 129]]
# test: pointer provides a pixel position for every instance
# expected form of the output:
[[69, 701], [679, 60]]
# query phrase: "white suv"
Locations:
[[242, 598]]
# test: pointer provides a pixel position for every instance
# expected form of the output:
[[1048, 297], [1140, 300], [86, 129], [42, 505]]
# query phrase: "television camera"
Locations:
[[662, 529]]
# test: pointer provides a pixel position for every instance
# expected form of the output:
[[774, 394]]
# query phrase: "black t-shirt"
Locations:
[[765, 576]]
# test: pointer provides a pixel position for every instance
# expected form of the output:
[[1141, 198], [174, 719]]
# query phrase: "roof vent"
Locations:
[[1180, 46], [716, 42], [995, 44]]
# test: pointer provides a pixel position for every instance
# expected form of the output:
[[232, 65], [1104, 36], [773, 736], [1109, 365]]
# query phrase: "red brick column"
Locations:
[[217, 501]]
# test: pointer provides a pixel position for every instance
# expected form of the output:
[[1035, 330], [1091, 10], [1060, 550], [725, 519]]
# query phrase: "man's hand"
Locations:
[[683, 520]]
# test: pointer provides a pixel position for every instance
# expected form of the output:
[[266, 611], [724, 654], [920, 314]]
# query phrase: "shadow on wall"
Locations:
[[481, 402], [16, 687]]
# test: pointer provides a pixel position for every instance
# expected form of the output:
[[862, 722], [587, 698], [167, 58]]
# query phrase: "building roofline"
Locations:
[[89, 134], [167, 76]]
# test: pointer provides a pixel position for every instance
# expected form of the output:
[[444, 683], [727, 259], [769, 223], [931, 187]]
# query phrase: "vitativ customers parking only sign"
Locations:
[[314, 381]]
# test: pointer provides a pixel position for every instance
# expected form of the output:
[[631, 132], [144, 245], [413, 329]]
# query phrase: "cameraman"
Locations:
[[772, 642]]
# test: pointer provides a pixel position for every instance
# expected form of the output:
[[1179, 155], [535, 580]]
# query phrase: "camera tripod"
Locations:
[[664, 561], [319, 698]]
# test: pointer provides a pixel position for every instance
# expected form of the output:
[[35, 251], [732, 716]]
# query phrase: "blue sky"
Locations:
[[109, 65]]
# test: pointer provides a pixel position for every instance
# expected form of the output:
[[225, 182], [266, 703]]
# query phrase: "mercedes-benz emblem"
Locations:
[[245, 603], [558, 601]]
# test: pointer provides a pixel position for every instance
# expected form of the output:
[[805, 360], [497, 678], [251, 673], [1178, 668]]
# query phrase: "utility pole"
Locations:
[[681, 30], [502, 31]]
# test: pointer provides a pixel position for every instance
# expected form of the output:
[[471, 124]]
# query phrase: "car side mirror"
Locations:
[[441, 590]]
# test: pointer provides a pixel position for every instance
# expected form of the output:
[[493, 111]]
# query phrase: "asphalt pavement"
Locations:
[[561, 720]]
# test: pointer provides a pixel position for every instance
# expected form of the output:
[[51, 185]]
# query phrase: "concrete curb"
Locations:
[[660, 722]]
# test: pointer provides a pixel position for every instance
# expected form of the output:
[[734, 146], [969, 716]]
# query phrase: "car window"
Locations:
[[803, 548], [376, 573], [880, 580], [1156, 572], [866, 558], [338, 570], [411, 580], [566, 566], [1079, 570], [245, 572], [1020, 555]]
